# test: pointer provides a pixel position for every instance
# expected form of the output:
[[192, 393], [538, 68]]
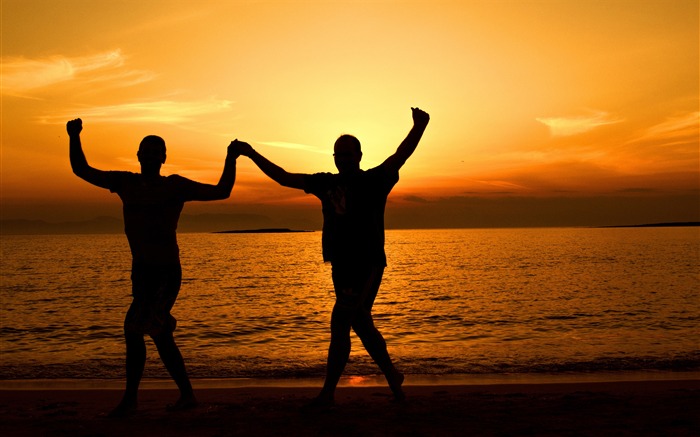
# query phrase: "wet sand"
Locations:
[[593, 408]]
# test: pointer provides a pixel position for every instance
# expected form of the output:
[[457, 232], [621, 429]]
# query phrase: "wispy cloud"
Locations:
[[293, 146], [170, 20], [21, 75], [677, 130], [567, 126], [502, 185], [162, 111], [416, 199]]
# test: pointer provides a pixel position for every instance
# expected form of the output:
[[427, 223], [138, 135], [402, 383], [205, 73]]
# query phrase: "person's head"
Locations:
[[151, 153], [347, 153]]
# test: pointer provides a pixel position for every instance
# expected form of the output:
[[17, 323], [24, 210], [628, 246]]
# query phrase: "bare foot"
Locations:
[[182, 404], [395, 382], [320, 403], [124, 409]]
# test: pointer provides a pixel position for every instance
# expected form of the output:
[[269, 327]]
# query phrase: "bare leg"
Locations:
[[135, 362], [338, 353], [172, 358], [375, 345]]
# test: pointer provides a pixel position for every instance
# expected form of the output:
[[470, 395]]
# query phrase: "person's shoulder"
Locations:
[[315, 183], [178, 181], [119, 180], [121, 175], [383, 174], [176, 178], [382, 169], [321, 177]]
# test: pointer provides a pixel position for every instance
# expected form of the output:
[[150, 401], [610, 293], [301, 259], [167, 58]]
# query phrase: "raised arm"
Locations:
[[222, 190], [409, 144], [78, 162], [273, 171]]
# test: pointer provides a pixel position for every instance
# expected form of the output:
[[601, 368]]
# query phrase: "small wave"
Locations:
[[287, 367]]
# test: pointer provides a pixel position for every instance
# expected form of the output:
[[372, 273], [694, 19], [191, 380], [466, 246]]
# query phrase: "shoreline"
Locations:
[[358, 381], [639, 408]]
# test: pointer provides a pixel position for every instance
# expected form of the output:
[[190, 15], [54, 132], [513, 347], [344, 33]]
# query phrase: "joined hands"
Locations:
[[238, 148]]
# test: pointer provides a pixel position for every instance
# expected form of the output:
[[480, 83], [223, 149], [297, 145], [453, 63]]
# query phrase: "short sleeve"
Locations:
[[115, 180], [387, 176], [185, 189], [317, 183]]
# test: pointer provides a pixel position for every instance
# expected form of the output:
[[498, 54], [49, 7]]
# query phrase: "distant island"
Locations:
[[656, 225], [248, 224], [262, 231]]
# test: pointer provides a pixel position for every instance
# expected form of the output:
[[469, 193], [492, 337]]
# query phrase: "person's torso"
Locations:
[[353, 214], [151, 213]]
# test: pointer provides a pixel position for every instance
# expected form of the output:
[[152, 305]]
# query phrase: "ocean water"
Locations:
[[467, 301]]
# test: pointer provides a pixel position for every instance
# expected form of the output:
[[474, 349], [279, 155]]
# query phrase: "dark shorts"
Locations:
[[154, 289], [356, 286]]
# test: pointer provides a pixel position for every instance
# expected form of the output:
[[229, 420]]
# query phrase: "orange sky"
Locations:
[[539, 101]]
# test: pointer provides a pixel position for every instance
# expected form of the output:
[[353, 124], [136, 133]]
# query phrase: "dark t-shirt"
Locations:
[[353, 214], [151, 213]]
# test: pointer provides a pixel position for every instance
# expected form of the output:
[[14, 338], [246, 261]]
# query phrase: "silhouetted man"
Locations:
[[152, 206], [353, 202]]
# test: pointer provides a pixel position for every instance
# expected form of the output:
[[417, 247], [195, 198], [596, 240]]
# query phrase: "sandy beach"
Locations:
[[652, 407]]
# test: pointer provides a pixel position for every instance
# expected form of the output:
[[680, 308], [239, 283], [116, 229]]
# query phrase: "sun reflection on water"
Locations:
[[451, 300]]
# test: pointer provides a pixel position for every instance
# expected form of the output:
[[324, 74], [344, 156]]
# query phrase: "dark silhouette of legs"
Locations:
[[338, 351], [374, 343], [155, 289], [355, 294], [173, 361], [135, 362]]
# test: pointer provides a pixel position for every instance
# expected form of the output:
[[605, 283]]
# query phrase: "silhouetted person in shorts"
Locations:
[[152, 206], [353, 202]]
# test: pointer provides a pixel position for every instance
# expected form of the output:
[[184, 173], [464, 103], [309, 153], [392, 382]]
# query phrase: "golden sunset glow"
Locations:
[[559, 99]]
